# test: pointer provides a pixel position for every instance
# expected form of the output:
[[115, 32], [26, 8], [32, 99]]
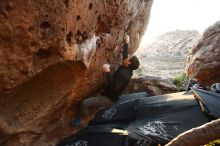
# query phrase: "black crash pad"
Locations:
[[155, 119]]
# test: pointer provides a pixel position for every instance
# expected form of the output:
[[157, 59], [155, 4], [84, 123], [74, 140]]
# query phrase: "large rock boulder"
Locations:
[[166, 55], [50, 57], [203, 62], [152, 85]]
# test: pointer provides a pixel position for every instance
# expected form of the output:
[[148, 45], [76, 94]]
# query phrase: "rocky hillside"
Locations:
[[203, 62], [50, 57], [166, 55]]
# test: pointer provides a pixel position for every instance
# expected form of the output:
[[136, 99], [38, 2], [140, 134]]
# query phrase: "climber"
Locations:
[[125, 51], [115, 85], [215, 88]]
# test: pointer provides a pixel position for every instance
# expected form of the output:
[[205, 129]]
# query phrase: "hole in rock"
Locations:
[[78, 17], [45, 24], [69, 37], [66, 2], [44, 53], [90, 6]]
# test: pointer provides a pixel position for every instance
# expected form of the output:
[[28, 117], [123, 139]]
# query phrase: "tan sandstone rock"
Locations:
[[203, 62], [50, 57], [152, 85]]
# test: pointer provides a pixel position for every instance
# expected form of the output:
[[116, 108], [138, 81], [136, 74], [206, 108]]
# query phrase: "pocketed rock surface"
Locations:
[[50, 57]]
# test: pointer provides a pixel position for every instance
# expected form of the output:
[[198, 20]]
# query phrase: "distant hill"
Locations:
[[166, 55]]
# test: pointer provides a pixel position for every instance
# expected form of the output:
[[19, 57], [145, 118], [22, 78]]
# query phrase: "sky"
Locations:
[[169, 15]]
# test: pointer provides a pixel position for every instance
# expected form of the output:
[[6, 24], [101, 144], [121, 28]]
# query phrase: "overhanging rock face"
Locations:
[[50, 57], [203, 62]]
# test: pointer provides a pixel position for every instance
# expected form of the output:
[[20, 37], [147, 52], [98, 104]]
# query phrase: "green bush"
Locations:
[[214, 143], [180, 79]]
